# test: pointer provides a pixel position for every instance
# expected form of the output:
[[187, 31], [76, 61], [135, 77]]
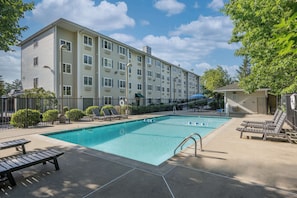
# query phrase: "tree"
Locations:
[[267, 31], [16, 84], [10, 30], [2, 90], [215, 78], [245, 69]]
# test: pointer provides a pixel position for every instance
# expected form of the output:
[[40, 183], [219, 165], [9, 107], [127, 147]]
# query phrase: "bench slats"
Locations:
[[26, 160]]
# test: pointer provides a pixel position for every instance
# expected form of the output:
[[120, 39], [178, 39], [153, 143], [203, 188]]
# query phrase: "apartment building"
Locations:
[[89, 68]]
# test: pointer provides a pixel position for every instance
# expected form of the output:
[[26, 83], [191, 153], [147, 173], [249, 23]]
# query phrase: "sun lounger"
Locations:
[[18, 162], [107, 114], [116, 114], [267, 130], [276, 116], [292, 136], [19, 144], [96, 114], [258, 124]]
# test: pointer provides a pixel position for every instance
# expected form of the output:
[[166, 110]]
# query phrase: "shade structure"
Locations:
[[197, 96], [138, 95]]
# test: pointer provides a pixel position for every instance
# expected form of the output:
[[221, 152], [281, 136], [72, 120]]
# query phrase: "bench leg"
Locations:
[[11, 179], [56, 164]]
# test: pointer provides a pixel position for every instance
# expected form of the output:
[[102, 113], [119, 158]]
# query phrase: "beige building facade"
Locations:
[[94, 69]]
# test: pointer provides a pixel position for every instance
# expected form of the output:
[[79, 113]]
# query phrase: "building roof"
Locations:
[[234, 87]]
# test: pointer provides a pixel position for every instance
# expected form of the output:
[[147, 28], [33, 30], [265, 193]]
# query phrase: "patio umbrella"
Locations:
[[197, 96]]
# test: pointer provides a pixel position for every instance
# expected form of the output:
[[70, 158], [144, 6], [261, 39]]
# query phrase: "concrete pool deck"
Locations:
[[228, 167]]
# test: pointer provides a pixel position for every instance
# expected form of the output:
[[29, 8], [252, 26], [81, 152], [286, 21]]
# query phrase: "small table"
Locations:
[[19, 144]]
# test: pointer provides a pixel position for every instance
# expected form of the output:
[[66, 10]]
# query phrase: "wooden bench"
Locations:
[[18, 162], [19, 144]]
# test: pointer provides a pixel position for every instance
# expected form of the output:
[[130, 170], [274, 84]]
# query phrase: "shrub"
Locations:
[[75, 114], [105, 107], [89, 110], [50, 116], [25, 117]]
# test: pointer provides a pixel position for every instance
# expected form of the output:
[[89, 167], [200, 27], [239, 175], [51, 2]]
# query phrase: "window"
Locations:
[[129, 55], [149, 60], [107, 82], [122, 66], [168, 90], [67, 90], [88, 41], [35, 61], [67, 43], [35, 44], [139, 86], [107, 100], [158, 75], [35, 82], [107, 45], [130, 85], [149, 73], [67, 68], [88, 59], [158, 88], [88, 80], [158, 63], [122, 50], [122, 84], [150, 87], [107, 62], [139, 59], [139, 72]]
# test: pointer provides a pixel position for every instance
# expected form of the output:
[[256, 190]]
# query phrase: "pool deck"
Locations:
[[227, 167]]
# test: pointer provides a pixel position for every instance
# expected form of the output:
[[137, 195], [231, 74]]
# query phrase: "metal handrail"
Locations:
[[185, 140]]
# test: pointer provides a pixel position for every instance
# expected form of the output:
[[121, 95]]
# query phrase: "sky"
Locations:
[[191, 33]]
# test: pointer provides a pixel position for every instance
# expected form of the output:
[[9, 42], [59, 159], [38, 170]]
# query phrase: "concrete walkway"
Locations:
[[228, 167]]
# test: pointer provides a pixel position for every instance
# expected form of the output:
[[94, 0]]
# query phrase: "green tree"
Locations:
[[267, 31], [215, 78], [2, 90], [10, 30], [245, 69], [16, 84]]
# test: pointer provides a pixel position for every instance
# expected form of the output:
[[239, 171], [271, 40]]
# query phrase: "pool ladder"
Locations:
[[187, 139]]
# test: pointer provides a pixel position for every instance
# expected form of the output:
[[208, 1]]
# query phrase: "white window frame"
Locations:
[[107, 62], [122, 50], [67, 43], [35, 61], [88, 41], [150, 87], [158, 88], [35, 82], [139, 59], [89, 60], [122, 84], [139, 86], [67, 90], [149, 73], [67, 68], [88, 80], [107, 100], [107, 45], [122, 66], [107, 82], [139, 72]]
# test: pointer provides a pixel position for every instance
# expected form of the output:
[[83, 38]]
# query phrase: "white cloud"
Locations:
[[144, 22], [216, 4], [10, 64], [172, 7], [104, 16]]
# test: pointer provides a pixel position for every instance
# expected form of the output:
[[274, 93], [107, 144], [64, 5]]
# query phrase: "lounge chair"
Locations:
[[19, 144], [292, 136], [276, 116], [258, 124], [96, 114], [267, 130], [18, 162], [116, 114], [107, 114]]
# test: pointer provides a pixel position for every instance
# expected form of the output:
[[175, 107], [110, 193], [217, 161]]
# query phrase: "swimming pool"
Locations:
[[151, 141]]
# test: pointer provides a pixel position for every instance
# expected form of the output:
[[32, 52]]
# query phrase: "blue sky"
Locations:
[[191, 33]]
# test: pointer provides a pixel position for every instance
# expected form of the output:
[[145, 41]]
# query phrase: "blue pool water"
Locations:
[[151, 141]]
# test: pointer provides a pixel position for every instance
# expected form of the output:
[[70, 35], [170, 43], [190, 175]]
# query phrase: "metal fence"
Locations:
[[291, 113]]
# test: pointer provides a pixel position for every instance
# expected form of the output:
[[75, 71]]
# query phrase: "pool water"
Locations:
[[151, 141]]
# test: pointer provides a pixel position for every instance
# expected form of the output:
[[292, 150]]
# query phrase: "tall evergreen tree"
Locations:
[[245, 69]]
